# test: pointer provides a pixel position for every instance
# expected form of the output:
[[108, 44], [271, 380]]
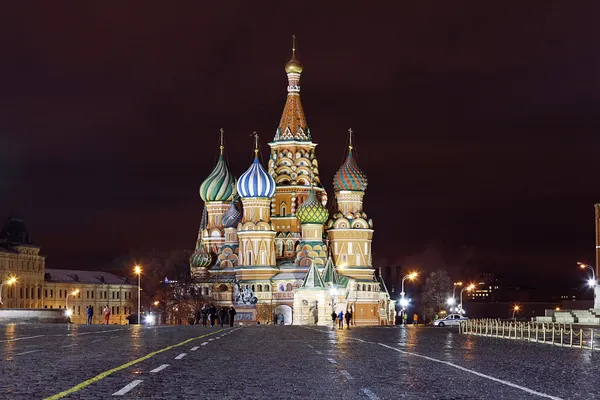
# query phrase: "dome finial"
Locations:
[[255, 144], [293, 47], [221, 147], [350, 139]]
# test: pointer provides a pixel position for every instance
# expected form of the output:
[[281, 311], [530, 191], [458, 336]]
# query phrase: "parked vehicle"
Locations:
[[450, 320]]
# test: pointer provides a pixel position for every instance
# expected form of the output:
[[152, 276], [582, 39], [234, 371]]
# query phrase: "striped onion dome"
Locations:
[[200, 258], [255, 182], [312, 211], [350, 176], [232, 217], [220, 184]]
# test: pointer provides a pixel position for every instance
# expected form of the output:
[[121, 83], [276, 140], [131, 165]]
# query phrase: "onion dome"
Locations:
[[293, 66], [350, 176], [232, 217], [256, 182], [312, 211], [200, 258], [220, 184]]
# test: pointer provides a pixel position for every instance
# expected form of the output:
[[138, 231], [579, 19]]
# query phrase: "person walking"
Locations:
[[348, 315], [416, 319], [204, 315], [405, 317], [275, 318], [281, 319], [333, 318], [107, 314], [232, 313], [341, 320], [213, 315], [89, 312], [222, 314]]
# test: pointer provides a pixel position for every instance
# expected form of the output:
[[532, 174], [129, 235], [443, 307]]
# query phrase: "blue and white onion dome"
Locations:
[[256, 182]]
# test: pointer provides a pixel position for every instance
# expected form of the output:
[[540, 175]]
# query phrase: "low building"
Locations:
[[38, 287]]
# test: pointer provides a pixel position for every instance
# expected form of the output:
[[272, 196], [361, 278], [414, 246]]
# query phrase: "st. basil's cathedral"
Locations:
[[268, 245]]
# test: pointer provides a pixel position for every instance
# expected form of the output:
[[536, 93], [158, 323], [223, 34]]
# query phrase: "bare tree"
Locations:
[[436, 290]]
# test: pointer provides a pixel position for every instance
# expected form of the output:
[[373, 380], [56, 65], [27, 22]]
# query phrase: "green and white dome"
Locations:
[[220, 184]]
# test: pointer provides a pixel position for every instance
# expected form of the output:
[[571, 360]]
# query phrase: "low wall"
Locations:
[[32, 315]]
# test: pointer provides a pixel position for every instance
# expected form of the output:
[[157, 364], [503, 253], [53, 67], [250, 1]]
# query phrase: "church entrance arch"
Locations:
[[287, 314]]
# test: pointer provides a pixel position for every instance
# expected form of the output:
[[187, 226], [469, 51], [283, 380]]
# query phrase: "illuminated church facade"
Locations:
[[268, 245]]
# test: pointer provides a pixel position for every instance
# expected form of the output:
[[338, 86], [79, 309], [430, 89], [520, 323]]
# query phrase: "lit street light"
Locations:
[[515, 309], [468, 289], [11, 281], [138, 270], [73, 293], [403, 301], [452, 301]]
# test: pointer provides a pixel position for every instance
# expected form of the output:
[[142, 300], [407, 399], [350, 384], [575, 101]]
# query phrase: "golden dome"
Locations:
[[293, 66]]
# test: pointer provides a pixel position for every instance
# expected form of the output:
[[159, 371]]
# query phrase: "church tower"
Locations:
[[255, 232], [349, 230], [292, 163], [312, 216], [216, 191]]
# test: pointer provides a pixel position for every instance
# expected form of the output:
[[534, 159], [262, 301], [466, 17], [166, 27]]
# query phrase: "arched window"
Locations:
[[222, 288], [282, 212], [364, 287], [281, 288], [290, 246], [280, 247], [358, 288], [259, 288], [288, 287]]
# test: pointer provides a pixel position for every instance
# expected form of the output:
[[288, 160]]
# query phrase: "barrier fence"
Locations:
[[551, 333]]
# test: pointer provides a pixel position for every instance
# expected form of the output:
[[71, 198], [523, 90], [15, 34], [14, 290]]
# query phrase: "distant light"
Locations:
[[68, 313], [451, 301], [557, 309], [150, 319], [137, 269], [591, 283], [403, 302]]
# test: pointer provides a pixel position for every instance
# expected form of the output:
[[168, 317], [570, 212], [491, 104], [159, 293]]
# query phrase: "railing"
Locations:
[[556, 334]]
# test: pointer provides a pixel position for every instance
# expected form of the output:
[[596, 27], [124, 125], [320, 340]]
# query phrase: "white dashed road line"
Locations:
[[179, 357], [204, 344], [331, 360], [195, 348], [310, 345], [530, 391], [155, 370], [367, 392], [127, 388], [346, 374], [23, 338], [319, 352], [210, 340], [27, 352]]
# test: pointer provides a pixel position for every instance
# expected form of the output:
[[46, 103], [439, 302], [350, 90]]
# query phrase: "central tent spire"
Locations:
[[293, 124]]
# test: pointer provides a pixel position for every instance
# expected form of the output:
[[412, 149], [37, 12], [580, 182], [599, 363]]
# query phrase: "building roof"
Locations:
[[79, 276], [330, 275], [313, 279], [256, 182], [288, 276], [14, 233]]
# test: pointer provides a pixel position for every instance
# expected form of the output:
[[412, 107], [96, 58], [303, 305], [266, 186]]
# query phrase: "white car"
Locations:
[[450, 320]]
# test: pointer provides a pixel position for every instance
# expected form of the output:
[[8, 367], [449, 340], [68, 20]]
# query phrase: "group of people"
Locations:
[[415, 318], [210, 314], [340, 318], [278, 318], [89, 312]]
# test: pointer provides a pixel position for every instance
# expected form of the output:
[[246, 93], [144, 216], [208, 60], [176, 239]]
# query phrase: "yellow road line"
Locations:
[[121, 367]]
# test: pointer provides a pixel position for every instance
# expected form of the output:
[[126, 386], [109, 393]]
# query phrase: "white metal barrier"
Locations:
[[556, 334]]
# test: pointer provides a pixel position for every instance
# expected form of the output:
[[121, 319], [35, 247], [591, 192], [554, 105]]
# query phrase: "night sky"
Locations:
[[477, 126]]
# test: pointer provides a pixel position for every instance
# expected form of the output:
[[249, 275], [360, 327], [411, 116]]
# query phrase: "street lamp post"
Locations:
[[73, 293], [12, 280], [410, 276], [515, 309], [468, 288], [138, 270]]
